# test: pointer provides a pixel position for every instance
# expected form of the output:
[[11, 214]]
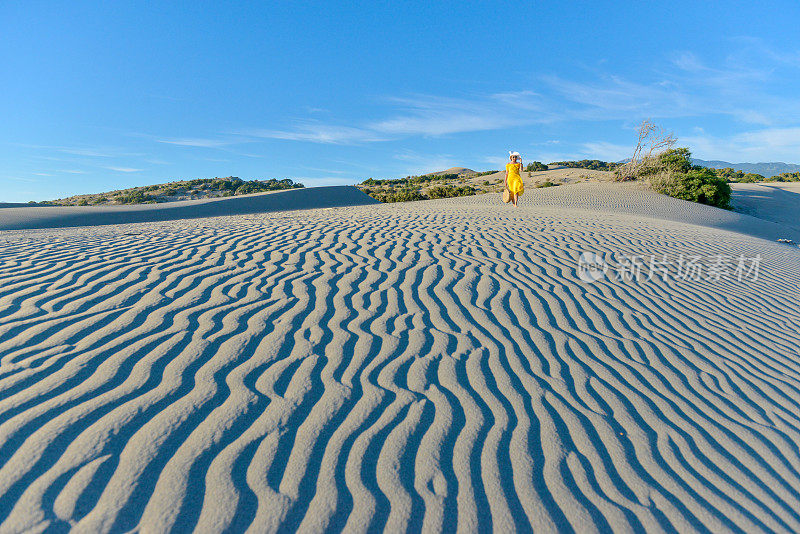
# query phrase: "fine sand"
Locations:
[[774, 201], [433, 366]]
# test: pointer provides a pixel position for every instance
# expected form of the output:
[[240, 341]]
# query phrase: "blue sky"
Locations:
[[104, 95]]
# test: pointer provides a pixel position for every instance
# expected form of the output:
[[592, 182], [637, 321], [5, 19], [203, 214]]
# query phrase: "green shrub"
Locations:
[[448, 191], [546, 183], [730, 175], [675, 160], [396, 195], [134, 197], [260, 186], [535, 166], [697, 185]]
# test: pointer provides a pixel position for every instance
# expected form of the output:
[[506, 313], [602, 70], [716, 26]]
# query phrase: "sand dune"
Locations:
[[777, 202], [20, 218], [423, 366], [764, 218]]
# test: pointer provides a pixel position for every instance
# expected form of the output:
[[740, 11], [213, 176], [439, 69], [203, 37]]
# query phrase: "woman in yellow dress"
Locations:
[[514, 177]]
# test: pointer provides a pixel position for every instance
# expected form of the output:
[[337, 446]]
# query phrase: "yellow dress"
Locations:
[[514, 179]]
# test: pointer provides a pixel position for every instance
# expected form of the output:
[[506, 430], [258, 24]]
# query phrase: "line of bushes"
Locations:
[[593, 164], [730, 175], [407, 194], [785, 177], [410, 180]]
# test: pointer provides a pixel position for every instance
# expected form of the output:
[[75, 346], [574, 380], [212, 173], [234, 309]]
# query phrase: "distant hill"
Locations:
[[175, 191], [463, 171], [767, 170]]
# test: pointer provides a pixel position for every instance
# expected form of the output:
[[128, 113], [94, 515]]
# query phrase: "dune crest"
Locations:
[[27, 218]]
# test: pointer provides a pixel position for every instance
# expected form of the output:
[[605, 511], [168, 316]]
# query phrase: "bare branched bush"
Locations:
[[670, 171], [652, 142]]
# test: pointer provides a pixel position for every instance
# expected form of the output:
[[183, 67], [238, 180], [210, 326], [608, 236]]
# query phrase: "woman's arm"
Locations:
[[505, 180]]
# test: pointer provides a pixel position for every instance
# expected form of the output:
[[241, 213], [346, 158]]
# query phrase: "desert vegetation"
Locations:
[[460, 181], [410, 181], [427, 186], [731, 175], [593, 164], [535, 166], [734, 176], [670, 171], [785, 177], [405, 192], [178, 190]]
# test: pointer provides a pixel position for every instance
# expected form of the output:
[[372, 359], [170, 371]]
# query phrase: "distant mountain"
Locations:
[[767, 170]]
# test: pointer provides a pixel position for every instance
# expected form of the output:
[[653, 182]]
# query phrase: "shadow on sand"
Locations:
[[28, 218], [769, 202]]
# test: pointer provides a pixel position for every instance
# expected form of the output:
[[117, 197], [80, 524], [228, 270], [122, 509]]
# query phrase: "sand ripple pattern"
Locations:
[[426, 367]]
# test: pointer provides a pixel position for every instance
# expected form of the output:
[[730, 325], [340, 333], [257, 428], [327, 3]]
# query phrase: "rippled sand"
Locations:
[[431, 365]]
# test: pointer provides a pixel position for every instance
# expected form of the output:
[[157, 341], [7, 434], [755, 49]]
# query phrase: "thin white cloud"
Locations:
[[196, 142], [327, 171], [497, 161], [756, 50], [606, 151], [89, 152], [317, 132], [617, 98], [739, 85], [426, 115], [442, 123], [416, 163], [124, 169], [434, 116], [769, 144]]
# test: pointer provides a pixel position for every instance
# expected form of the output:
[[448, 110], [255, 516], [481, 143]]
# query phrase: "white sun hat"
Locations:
[[513, 154]]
